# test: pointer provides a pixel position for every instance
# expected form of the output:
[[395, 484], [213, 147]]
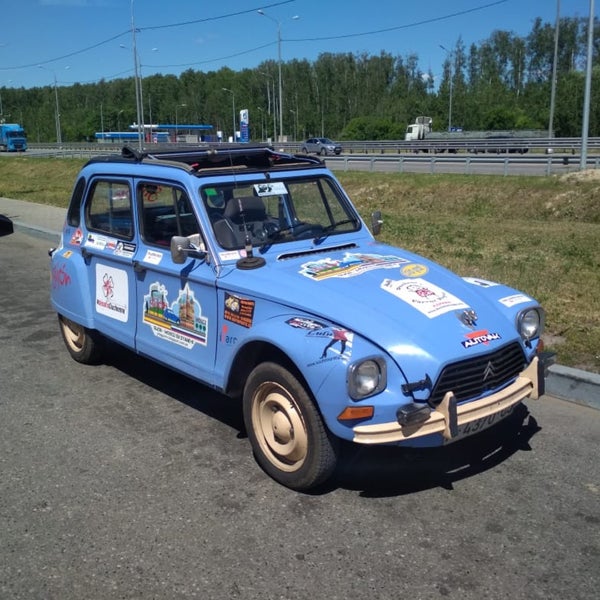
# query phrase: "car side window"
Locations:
[[108, 209], [165, 211], [73, 214]]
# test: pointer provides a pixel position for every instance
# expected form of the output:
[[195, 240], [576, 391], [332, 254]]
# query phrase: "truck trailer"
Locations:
[[499, 141], [12, 138]]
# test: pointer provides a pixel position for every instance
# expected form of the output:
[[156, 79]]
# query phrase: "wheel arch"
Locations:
[[251, 355]]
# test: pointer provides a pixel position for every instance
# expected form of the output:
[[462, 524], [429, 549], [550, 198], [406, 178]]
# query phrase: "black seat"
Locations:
[[241, 215]]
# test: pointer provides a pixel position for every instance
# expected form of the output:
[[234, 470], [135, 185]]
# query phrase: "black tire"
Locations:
[[84, 345], [305, 150], [286, 431]]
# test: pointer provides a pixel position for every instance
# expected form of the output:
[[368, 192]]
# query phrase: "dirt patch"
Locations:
[[585, 175]]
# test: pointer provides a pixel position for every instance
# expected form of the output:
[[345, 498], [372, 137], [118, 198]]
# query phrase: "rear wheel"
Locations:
[[83, 344], [288, 436]]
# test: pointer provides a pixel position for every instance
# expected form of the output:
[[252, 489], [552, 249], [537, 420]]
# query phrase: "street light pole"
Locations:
[[57, 108], [138, 88], [177, 121], [233, 111], [264, 14], [450, 100]]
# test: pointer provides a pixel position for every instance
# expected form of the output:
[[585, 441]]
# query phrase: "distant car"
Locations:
[[321, 146], [251, 271]]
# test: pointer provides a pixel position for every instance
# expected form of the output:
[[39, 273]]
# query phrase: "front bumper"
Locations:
[[449, 417]]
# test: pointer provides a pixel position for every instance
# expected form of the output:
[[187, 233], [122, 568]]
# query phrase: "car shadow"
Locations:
[[382, 471], [177, 386], [374, 471]]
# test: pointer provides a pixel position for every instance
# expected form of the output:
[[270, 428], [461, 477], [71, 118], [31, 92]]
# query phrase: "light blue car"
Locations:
[[251, 271]]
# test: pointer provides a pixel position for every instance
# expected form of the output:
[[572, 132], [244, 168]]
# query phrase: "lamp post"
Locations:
[[119, 123], [262, 123], [177, 120], [264, 14], [57, 108], [269, 99], [233, 111], [450, 99], [295, 124]]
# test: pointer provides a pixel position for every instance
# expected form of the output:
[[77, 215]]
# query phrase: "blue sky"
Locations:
[[88, 40]]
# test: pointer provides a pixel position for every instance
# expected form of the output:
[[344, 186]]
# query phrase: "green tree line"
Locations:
[[503, 82]]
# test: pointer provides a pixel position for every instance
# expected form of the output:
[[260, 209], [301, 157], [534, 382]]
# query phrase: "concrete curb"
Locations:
[[565, 383], [574, 385]]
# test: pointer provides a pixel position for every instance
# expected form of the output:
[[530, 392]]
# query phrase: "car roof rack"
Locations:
[[257, 156]]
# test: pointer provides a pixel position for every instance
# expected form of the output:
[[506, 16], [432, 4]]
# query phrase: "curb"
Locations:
[[574, 385], [564, 383]]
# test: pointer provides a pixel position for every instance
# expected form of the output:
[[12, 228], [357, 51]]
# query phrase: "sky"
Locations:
[[85, 41]]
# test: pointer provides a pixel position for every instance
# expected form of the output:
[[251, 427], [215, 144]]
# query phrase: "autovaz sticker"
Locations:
[[179, 322]]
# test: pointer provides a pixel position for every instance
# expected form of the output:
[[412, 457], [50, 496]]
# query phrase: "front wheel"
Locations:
[[288, 436], [83, 344]]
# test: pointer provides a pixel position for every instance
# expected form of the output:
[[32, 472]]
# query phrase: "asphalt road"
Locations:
[[124, 480]]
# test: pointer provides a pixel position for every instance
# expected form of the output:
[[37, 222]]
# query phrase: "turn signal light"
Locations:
[[351, 413]]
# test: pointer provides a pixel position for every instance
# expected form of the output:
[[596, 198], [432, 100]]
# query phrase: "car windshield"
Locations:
[[326, 141], [277, 211]]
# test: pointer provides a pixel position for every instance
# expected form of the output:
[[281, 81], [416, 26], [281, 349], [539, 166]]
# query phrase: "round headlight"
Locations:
[[530, 323], [366, 378]]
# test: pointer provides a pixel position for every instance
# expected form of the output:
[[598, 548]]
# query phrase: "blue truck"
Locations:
[[12, 138]]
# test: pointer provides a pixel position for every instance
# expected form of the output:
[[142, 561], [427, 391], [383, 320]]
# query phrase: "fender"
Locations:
[[71, 295]]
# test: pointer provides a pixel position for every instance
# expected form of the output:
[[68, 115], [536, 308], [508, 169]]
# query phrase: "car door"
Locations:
[[176, 304], [108, 247]]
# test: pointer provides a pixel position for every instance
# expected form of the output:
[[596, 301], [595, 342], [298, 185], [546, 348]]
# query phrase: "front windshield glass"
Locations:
[[273, 212]]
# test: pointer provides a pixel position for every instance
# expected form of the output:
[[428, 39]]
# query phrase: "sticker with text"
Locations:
[[426, 297], [179, 322]]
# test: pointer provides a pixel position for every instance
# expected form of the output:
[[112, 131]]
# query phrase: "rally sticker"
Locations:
[[514, 299], [351, 265], [179, 322], [112, 292], [474, 338], [484, 283], [153, 257], [426, 297]]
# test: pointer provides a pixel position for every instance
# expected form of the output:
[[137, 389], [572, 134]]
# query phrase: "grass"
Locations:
[[538, 234]]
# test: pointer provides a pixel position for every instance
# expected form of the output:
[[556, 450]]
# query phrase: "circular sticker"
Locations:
[[414, 270]]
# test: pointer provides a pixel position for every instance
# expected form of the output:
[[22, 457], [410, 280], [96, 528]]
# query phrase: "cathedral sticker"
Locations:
[[178, 322]]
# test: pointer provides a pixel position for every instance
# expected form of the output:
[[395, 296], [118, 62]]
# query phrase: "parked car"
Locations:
[[321, 146], [251, 271]]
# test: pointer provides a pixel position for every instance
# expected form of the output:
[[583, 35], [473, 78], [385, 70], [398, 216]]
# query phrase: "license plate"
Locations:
[[473, 427]]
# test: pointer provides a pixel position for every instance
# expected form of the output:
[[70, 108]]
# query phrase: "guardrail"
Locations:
[[376, 158], [508, 164]]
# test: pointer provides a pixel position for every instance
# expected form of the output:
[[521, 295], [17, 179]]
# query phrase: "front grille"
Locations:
[[472, 377]]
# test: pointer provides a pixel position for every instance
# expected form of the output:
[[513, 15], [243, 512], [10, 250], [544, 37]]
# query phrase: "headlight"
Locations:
[[367, 377], [530, 323]]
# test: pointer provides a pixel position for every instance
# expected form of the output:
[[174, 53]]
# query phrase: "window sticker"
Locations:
[[179, 322], [112, 292], [275, 188], [426, 297], [351, 265]]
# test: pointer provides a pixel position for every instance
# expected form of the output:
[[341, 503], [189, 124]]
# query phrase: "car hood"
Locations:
[[414, 309]]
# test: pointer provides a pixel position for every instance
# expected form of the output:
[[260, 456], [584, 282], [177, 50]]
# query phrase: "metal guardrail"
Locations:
[[375, 157], [507, 164]]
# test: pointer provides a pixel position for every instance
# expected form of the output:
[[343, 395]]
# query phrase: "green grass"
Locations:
[[538, 234]]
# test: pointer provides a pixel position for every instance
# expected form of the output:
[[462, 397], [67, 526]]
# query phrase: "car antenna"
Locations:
[[249, 261]]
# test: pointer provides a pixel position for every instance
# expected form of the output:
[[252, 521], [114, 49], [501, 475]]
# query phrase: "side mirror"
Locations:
[[179, 245], [376, 222], [182, 247]]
